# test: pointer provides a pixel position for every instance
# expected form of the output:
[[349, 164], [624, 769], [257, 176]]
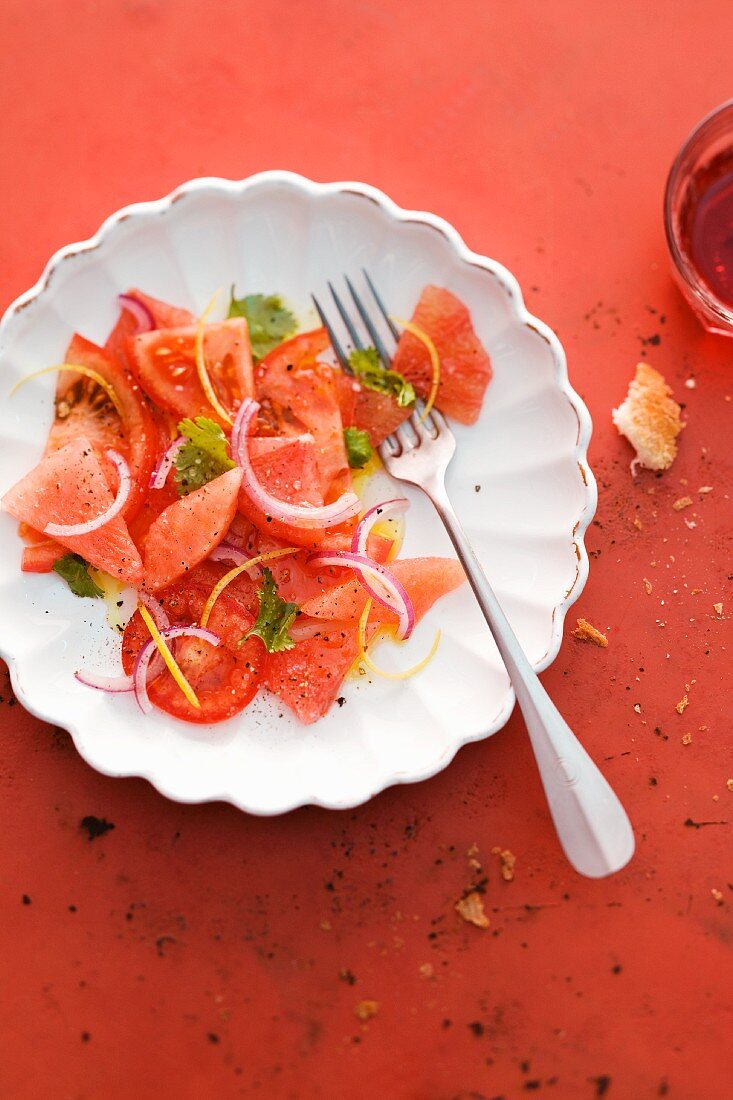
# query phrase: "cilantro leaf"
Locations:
[[275, 617], [269, 321], [367, 368], [358, 447], [202, 457], [75, 572]]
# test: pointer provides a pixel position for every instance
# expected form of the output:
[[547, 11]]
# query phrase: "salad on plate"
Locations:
[[220, 468]]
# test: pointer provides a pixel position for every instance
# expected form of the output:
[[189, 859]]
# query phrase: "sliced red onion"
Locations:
[[104, 683], [226, 552], [385, 510], [140, 671], [391, 592], [143, 317], [160, 473], [66, 530], [300, 515]]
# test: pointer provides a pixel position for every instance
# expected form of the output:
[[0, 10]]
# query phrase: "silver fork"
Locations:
[[591, 823]]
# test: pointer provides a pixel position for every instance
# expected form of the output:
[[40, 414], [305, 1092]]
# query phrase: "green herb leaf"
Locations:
[[358, 447], [368, 370], [269, 321], [275, 617], [202, 457], [75, 572]]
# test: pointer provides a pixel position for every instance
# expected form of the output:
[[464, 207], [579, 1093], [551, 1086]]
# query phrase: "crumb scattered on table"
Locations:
[[584, 632], [683, 502], [366, 1009], [682, 704], [718, 608], [507, 860], [471, 909], [647, 586], [650, 419], [686, 738], [718, 895]]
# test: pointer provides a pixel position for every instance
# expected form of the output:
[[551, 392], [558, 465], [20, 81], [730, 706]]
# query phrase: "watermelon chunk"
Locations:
[[425, 579], [308, 677], [465, 369], [163, 314], [188, 530], [68, 486]]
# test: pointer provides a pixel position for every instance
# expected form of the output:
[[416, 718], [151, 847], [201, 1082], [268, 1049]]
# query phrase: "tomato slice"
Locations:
[[83, 408], [164, 362], [225, 678]]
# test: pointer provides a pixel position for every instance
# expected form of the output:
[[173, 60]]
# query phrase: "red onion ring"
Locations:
[[301, 515], [140, 671], [396, 507], [166, 460], [66, 530], [226, 552], [159, 615], [393, 594], [143, 317], [104, 683]]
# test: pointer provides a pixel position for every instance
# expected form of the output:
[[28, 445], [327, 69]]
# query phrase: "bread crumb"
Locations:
[[705, 489], [683, 502], [471, 909], [637, 523], [647, 586], [325, 925], [650, 419], [584, 632], [729, 784], [686, 738], [718, 608], [718, 895], [366, 1009], [696, 591], [426, 970], [507, 861], [682, 704], [690, 383]]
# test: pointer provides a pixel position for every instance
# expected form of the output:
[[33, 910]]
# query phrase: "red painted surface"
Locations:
[[196, 952]]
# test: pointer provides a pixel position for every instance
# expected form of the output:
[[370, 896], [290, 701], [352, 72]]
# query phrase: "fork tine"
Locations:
[[340, 353], [375, 294], [369, 325], [355, 338]]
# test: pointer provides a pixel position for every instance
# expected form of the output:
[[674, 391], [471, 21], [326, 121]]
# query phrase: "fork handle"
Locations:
[[591, 823]]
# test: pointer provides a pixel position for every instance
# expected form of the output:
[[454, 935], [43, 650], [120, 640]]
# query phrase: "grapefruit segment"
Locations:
[[465, 368]]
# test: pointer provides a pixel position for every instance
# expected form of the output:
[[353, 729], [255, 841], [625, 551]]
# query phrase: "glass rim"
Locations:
[[707, 299]]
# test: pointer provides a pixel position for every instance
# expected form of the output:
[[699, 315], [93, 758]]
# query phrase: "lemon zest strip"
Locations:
[[201, 364], [168, 657], [78, 369], [232, 575], [365, 659]]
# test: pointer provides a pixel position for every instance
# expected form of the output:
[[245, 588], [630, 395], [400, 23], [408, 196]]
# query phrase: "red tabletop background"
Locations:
[[194, 951]]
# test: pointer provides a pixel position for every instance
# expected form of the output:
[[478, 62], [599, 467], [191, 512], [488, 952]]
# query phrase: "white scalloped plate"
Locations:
[[280, 232]]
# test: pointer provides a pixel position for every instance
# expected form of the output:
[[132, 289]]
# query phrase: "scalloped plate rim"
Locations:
[[523, 317]]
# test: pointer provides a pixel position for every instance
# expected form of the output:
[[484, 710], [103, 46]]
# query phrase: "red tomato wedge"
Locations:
[[226, 677], [188, 530], [308, 677], [68, 486], [164, 363], [300, 395], [425, 579], [83, 408], [163, 314], [465, 368]]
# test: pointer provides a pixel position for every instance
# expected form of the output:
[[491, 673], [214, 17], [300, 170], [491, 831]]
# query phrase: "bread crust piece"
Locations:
[[650, 419]]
